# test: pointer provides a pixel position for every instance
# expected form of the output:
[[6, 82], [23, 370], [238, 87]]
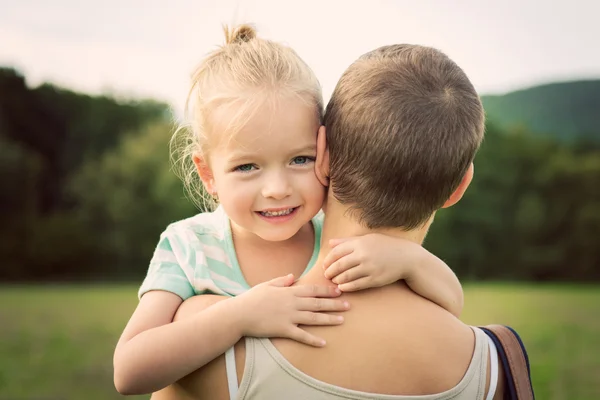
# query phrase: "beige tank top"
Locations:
[[268, 375]]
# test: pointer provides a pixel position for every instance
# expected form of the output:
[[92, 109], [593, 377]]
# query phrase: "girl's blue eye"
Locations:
[[245, 168], [300, 160]]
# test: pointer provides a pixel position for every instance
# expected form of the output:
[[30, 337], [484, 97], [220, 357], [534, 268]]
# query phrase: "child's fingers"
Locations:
[[316, 291], [365, 282], [350, 275], [341, 265], [300, 335], [337, 252], [282, 281], [316, 318], [317, 304]]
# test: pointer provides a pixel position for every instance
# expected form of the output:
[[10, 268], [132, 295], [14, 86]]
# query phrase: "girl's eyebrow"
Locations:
[[239, 157], [310, 148]]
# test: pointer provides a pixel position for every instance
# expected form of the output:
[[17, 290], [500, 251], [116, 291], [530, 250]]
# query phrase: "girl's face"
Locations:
[[264, 176]]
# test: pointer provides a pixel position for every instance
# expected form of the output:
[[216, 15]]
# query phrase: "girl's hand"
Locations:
[[370, 261], [275, 309], [376, 260]]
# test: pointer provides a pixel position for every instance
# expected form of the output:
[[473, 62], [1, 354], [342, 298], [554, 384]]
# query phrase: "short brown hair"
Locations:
[[403, 125]]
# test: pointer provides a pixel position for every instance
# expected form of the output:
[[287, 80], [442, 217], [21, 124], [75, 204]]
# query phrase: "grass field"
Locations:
[[56, 342]]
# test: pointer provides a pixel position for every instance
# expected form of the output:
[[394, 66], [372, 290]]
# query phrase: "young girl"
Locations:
[[256, 109]]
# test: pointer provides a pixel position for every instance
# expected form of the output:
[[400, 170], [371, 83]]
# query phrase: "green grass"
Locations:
[[56, 342], [560, 325]]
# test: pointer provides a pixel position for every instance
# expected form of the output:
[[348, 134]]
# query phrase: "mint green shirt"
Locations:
[[196, 256]]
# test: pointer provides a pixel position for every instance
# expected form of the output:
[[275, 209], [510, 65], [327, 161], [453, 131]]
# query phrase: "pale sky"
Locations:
[[149, 47]]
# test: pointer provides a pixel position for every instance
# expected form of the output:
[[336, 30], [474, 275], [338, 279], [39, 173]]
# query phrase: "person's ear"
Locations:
[[322, 161], [205, 173], [462, 187]]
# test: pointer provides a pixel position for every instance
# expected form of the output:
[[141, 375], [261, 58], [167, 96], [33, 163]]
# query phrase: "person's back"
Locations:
[[392, 343]]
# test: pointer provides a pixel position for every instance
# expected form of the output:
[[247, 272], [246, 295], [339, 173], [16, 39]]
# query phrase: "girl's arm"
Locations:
[[375, 260], [434, 280], [152, 352]]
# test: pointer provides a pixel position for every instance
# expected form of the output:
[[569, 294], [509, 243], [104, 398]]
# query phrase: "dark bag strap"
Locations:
[[515, 361]]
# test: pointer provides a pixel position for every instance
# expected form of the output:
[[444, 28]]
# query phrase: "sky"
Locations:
[[148, 48]]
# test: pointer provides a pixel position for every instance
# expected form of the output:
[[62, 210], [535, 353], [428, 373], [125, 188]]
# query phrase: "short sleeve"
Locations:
[[166, 273]]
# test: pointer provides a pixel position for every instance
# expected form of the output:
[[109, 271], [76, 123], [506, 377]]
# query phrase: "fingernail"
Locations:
[[340, 318], [346, 304], [322, 343], [338, 291]]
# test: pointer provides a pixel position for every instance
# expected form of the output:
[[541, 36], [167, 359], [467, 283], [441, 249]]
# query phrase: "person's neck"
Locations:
[[340, 223]]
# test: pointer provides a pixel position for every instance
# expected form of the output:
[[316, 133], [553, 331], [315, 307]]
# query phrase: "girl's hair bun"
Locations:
[[240, 34]]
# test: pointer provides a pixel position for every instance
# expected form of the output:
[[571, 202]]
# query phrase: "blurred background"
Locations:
[[90, 93]]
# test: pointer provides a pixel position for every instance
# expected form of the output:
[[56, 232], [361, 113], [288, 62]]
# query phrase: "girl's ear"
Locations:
[[205, 173]]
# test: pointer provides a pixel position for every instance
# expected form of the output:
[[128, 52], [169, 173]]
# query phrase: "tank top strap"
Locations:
[[230, 367]]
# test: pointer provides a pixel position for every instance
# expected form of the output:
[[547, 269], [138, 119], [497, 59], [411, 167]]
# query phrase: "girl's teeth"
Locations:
[[277, 213]]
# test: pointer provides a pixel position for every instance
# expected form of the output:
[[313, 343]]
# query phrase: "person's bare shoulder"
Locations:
[[392, 332]]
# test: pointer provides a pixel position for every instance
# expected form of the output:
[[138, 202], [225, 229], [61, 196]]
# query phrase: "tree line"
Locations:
[[87, 188]]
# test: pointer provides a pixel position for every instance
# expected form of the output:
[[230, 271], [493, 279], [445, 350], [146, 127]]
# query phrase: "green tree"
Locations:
[[128, 197]]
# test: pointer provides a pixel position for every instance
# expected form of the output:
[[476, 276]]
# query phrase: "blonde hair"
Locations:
[[410, 122], [245, 72]]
